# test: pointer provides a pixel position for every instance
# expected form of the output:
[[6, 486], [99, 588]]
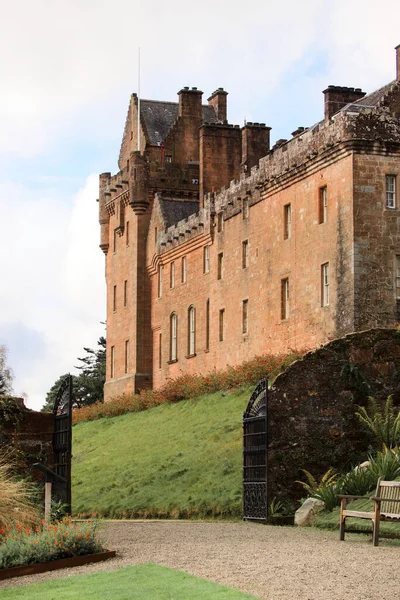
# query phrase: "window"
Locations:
[[221, 324], [397, 275], [245, 208], [125, 292], [172, 275], [323, 204], [195, 181], [160, 280], [220, 222], [245, 254], [168, 159], [127, 233], [115, 242], [126, 356], [184, 269], [155, 234], [208, 324], [115, 299], [245, 322], [287, 221], [220, 265], [285, 298], [191, 331], [390, 191], [173, 337], [325, 284], [112, 362], [206, 259], [159, 351]]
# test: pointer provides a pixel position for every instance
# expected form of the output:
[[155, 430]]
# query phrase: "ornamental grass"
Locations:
[[20, 546], [191, 386], [16, 497]]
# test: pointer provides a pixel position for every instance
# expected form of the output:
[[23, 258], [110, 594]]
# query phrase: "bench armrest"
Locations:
[[377, 499]]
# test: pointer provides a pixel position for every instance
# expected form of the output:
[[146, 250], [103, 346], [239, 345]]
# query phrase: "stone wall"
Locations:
[[26, 436], [312, 423]]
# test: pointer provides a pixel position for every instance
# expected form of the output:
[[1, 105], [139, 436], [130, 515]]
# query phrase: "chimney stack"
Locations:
[[218, 101], [255, 144], [336, 97], [190, 103], [397, 62]]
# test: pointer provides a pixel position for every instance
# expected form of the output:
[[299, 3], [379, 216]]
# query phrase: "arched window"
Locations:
[[173, 337], [191, 330]]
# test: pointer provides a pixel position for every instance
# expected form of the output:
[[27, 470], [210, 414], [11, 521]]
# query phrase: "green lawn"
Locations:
[[181, 460], [140, 582]]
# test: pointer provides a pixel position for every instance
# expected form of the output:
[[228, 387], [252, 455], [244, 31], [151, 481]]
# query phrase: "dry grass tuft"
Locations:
[[16, 495]]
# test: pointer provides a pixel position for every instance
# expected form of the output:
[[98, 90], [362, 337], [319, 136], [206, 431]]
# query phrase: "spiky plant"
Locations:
[[15, 498], [311, 485], [383, 422], [325, 490], [386, 464]]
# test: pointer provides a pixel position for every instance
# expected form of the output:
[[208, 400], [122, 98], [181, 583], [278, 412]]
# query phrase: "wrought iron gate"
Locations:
[[255, 504], [62, 442]]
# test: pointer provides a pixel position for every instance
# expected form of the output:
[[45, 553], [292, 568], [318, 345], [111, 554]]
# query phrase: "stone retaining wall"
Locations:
[[312, 424]]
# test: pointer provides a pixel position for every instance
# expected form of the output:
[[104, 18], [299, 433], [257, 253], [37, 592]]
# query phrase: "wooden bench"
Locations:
[[386, 507]]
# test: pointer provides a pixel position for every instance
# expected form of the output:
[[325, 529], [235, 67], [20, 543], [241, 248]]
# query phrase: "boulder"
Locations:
[[305, 515]]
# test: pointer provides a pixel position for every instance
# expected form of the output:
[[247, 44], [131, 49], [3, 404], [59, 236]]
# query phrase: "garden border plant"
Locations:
[[191, 386], [25, 546]]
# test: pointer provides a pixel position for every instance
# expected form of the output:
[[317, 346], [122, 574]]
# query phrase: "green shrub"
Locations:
[[383, 422], [64, 539], [278, 508], [311, 485], [325, 490], [357, 482], [191, 386], [386, 464]]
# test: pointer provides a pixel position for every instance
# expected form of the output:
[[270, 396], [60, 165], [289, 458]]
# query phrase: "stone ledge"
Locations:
[[63, 563]]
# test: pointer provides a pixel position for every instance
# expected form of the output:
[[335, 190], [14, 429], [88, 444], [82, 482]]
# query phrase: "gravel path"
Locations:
[[273, 563]]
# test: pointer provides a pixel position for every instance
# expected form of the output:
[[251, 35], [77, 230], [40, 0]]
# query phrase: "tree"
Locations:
[[90, 381], [88, 385], [52, 393], [6, 374]]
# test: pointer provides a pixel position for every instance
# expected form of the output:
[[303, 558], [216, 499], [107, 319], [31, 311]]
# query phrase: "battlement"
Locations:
[[291, 158], [185, 230]]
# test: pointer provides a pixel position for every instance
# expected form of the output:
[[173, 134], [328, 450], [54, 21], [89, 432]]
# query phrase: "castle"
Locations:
[[219, 248]]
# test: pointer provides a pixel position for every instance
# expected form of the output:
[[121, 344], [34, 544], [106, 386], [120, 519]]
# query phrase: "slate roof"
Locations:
[[174, 211], [159, 117], [375, 97]]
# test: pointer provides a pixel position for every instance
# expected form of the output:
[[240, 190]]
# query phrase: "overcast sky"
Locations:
[[67, 70]]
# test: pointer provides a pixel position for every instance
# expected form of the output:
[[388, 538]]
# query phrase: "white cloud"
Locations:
[[55, 295], [68, 67]]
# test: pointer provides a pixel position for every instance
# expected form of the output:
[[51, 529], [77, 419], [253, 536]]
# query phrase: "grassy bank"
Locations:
[[177, 460]]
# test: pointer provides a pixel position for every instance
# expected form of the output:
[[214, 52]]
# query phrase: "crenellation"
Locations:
[[225, 219]]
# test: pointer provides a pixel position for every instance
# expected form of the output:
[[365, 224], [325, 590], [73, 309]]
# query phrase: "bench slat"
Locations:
[[359, 514]]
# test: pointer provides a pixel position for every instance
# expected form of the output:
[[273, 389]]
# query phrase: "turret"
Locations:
[[138, 189], [104, 218]]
